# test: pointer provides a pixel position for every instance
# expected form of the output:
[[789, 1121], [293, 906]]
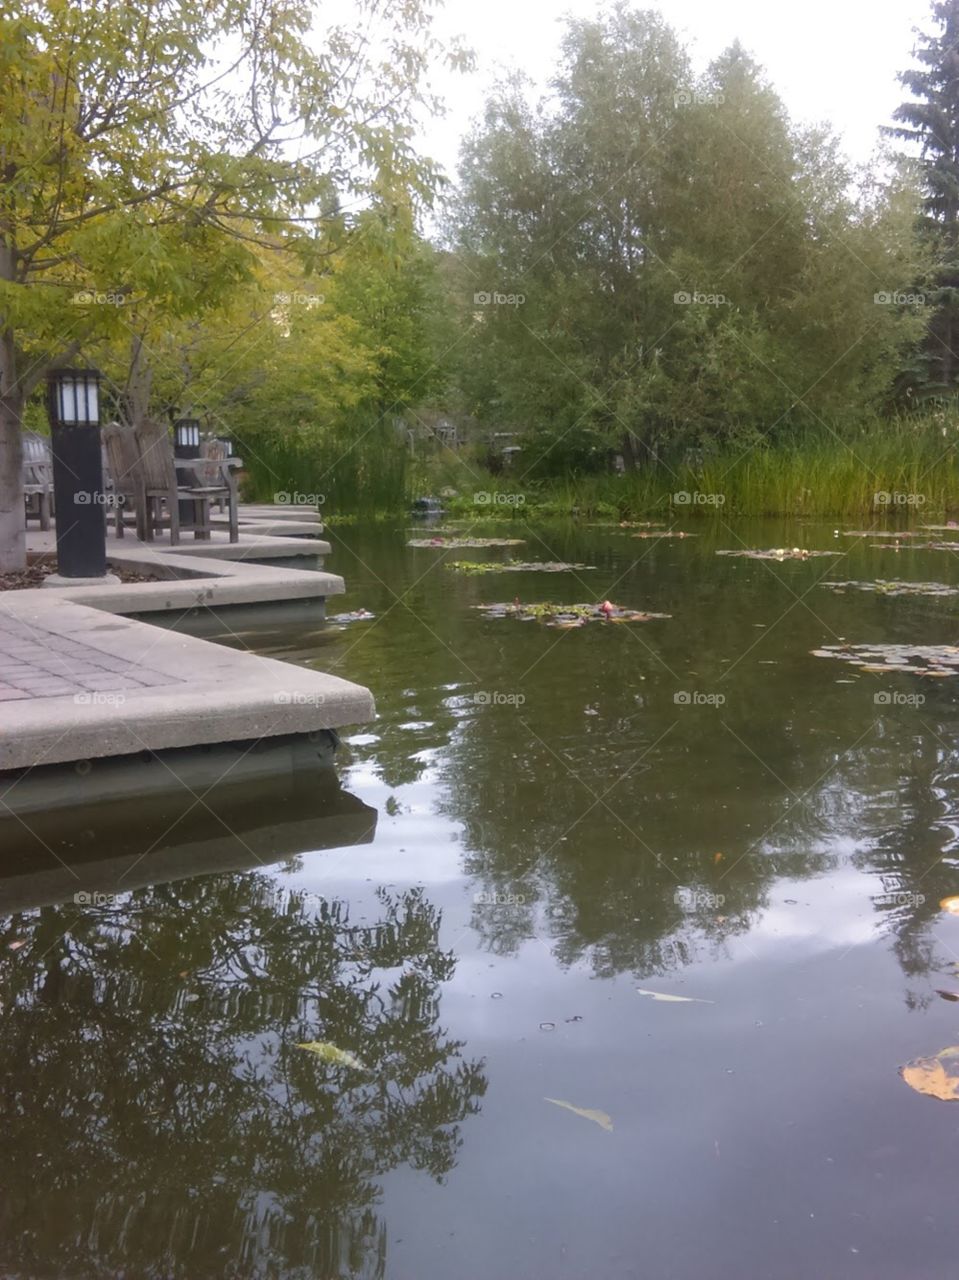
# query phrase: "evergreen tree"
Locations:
[[931, 122]]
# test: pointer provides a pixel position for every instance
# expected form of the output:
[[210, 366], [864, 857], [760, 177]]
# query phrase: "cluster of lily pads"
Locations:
[[915, 546], [472, 567], [566, 616], [895, 587], [778, 553], [628, 524], [454, 543], [918, 659]]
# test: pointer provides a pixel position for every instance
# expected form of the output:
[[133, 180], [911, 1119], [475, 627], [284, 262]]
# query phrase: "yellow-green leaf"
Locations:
[[330, 1053], [597, 1117], [661, 995]]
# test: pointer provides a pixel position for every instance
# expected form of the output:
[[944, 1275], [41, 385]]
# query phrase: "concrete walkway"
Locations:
[[81, 680], [76, 684]]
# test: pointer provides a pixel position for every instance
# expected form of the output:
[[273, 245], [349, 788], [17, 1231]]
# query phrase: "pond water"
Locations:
[[692, 806]]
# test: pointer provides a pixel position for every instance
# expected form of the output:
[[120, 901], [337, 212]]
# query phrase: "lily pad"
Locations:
[[895, 587], [915, 546], [473, 567], [453, 543], [936, 1077], [919, 659], [885, 533], [597, 1117], [330, 1053], [566, 616], [779, 553], [665, 533], [628, 524]]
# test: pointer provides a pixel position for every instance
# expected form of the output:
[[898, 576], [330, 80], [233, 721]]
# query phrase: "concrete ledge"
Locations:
[[274, 511], [196, 580], [198, 692]]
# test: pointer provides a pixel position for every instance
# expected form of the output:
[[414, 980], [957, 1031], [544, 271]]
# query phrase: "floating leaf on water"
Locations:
[[668, 999], [779, 553], [15, 946], [937, 1077], [330, 1053], [450, 543], [951, 904], [566, 616], [947, 995], [472, 567], [597, 1117]]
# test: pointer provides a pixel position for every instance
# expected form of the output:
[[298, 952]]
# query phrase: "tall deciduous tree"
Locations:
[[692, 267]]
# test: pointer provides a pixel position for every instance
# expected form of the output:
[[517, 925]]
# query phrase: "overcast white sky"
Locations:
[[832, 60]]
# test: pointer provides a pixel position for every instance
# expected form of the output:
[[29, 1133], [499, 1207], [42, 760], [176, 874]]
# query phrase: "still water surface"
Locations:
[[693, 806]]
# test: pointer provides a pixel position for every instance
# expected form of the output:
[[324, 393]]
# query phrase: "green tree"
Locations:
[[693, 268], [139, 139], [931, 123]]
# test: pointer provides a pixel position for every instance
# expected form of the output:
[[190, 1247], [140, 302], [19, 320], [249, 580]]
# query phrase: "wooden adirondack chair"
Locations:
[[165, 481], [38, 476], [120, 447]]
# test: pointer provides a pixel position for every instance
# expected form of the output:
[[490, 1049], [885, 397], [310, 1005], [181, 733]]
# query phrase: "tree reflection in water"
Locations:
[[158, 1119]]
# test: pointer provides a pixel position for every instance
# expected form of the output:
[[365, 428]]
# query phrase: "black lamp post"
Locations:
[[73, 405], [186, 438], [186, 446]]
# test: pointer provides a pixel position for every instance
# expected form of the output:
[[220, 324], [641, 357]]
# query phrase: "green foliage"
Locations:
[[688, 270], [827, 472], [930, 122]]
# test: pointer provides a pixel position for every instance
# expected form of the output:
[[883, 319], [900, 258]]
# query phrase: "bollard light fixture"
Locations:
[[73, 397], [186, 434]]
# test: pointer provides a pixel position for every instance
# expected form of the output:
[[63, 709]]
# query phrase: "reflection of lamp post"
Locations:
[[73, 405]]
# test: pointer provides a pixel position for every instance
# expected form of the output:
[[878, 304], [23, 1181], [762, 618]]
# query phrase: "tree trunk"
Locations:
[[139, 384], [13, 547]]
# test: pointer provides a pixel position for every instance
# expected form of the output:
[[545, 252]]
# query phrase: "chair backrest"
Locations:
[[37, 460], [215, 450], [123, 459], [155, 454]]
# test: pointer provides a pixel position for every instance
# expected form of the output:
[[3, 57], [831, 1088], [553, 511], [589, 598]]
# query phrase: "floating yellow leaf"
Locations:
[[660, 995], [597, 1117], [951, 904], [330, 1053], [931, 1076]]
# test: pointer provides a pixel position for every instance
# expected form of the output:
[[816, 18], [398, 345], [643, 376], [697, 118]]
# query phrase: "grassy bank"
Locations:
[[898, 474], [903, 470]]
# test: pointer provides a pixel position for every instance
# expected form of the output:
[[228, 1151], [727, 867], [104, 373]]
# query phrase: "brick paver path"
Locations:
[[37, 663]]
